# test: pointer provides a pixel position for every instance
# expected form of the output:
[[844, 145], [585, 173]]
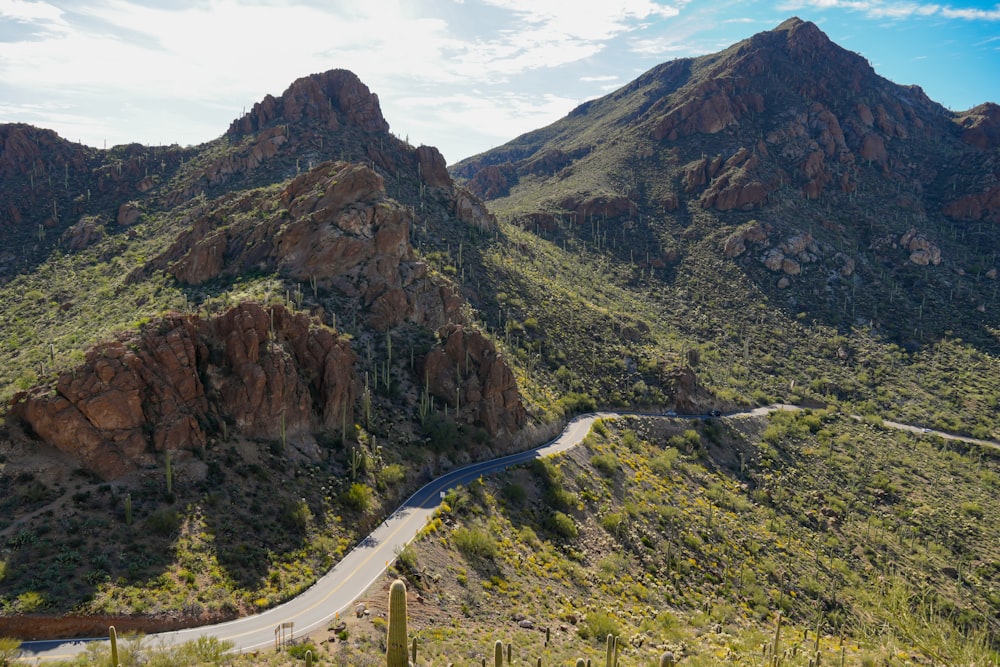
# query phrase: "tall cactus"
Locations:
[[309, 658], [114, 645], [413, 652], [498, 654], [395, 652], [667, 659], [609, 658]]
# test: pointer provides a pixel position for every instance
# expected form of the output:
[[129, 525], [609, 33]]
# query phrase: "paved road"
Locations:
[[362, 566], [350, 578]]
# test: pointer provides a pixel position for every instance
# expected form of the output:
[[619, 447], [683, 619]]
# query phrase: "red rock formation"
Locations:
[[166, 387], [977, 206], [337, 228], [982, 126], [433, 168], [922, 252], [492, 181], [597, 207], [753, 232], [333, 99], [466, 371], [86, 231]]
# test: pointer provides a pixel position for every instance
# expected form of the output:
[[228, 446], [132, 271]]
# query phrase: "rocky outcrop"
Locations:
[[87, 231], [128, 214], [493, 181], [584, 208], [336, 229], [922, 252], [736, 243], [264, 371], [466, 371], [332, 99], [432, 167], [790, 255], [709, 107], [981, 126], [983, 205], [472, 211]]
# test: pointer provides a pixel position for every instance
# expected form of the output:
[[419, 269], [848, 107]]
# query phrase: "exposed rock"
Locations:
[[432, 166], [790, 266], [977, 206], [338, 229], [754, 232], [922, 252], [333, 99], [168, 387], [492, 181], [472, 211], [992, 274], [86, 231], [466, 371], [873, 149], [982, 126], [265, 145], [847, 265], [784, 282], [774, 259], [128, 214], [598, 207]]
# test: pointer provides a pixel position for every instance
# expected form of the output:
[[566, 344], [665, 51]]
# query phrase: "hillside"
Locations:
[[813, 229], [224, 363]]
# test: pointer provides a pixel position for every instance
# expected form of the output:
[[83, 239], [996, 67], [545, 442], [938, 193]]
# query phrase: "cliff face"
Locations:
[[263, 372], [333, 227]]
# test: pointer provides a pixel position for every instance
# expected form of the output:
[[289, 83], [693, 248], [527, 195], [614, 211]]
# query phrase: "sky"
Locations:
[[462, 75]]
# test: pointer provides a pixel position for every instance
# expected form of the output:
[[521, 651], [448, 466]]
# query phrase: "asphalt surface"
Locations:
[[336, 591]]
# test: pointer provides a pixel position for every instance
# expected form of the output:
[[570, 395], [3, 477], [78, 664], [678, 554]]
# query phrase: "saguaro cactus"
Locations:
[[498, 654], [113, 636], [395, 652]]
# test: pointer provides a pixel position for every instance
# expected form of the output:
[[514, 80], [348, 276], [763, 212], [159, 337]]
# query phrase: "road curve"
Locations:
[[337, 590], [350, 578]]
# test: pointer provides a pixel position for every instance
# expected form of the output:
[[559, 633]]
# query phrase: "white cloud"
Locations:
[[30, 12], [896, 9]]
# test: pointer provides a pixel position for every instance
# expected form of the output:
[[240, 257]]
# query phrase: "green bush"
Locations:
[[358, 496], [598, 625], [605, 463], [475, 543], [562, 525]]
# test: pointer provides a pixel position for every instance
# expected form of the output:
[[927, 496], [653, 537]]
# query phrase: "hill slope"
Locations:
[[829, 232]]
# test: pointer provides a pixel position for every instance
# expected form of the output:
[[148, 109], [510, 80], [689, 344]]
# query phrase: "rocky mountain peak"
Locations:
[[334, 98]]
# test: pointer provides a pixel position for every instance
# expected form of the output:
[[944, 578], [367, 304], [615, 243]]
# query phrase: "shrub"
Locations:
[[562, 525], [391, 475], [358, 496], [475, 543], [605, 463], [598, 625], [10, 650]]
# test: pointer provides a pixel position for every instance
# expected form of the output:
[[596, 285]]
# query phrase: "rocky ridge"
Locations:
[[785, 129]]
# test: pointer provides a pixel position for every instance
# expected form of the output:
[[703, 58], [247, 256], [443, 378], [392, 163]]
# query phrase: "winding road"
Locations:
[[336, 591]]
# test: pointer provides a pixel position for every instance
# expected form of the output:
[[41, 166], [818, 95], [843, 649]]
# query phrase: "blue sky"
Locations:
[[462, 75]]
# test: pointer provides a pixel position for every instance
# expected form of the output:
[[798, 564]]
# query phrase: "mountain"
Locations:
[[833, 191], [224, 363]]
